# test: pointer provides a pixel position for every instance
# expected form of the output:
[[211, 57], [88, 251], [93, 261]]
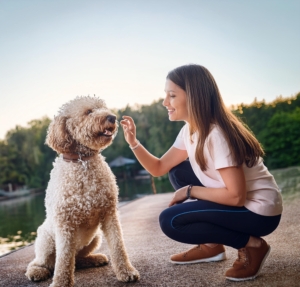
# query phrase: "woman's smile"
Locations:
[[175, 102], [170, 111]]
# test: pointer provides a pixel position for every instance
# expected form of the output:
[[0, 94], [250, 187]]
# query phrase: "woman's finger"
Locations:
[[128, 118], [124, 121], [172, 201], [124, 124], [126, 128], [127, 123]]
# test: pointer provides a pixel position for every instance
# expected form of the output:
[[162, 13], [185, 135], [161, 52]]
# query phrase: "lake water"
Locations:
[[20, 217]]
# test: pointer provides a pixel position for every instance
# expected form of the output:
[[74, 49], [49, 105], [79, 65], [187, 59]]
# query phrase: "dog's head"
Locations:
[[83, 125]]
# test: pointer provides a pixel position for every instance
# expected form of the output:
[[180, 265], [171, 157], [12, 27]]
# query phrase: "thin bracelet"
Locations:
[[188, 192], [136, 146]]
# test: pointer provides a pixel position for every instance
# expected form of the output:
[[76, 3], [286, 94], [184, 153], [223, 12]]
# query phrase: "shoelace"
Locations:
[[186, 253], [242, 256]]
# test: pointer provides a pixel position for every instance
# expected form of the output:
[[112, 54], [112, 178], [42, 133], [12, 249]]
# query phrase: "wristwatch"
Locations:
[[188, 192]]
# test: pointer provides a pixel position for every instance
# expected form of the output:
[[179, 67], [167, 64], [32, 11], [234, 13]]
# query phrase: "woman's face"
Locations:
[[175, 102]]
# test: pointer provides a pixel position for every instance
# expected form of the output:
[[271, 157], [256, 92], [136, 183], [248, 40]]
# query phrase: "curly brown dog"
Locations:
[[82, 195]]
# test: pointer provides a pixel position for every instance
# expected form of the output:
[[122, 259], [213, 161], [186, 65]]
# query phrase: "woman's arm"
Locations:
[[155, 166], [234, 194]]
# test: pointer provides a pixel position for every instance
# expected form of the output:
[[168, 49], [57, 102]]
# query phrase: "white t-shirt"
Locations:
[[263, 195]]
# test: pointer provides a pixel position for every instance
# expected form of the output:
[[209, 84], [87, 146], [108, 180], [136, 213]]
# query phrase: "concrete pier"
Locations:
[[149, 250]]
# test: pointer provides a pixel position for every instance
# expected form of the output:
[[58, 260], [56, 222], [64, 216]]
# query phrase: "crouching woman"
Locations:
[[216, 161]]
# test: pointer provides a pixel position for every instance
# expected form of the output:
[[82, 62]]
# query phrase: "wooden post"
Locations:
[[153, 184]]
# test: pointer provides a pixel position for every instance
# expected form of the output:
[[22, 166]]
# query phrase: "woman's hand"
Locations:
[[179, 196], [129, 130]]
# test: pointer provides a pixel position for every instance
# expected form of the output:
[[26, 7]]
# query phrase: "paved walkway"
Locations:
[[149, 250]]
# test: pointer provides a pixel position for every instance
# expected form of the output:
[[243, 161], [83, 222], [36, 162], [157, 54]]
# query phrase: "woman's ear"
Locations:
[[58, 137]]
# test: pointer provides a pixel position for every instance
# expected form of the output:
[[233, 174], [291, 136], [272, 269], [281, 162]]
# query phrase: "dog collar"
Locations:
[[76, 158]]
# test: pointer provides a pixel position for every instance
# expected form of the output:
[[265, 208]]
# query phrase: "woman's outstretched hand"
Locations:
[[179, 196], [129, 130]]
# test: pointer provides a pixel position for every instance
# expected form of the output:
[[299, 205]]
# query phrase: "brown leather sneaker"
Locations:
[[249, 263], [200, 253]]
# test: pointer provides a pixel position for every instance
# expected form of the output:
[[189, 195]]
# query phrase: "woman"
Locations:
[[238, 200]]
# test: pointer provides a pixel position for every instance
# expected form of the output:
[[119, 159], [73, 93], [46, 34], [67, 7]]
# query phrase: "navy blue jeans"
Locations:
[[201, 221]]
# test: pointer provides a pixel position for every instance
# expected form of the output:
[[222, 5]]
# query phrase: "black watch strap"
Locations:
[[188, 192]]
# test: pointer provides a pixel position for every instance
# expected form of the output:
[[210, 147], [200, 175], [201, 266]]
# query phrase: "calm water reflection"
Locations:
[[21, 214], [131, 189], [20, 217]]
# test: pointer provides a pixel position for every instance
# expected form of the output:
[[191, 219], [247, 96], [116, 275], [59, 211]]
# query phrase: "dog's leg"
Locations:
[[112, 230], [65, 258], [85, 259], [41, 268]]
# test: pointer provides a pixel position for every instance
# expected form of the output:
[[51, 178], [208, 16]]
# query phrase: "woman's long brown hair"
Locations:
[[206, 107]]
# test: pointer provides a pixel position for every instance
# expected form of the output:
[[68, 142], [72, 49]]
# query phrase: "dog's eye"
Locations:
[[89, 112]]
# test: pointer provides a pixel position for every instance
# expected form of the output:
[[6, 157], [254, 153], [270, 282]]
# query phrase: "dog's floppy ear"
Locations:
[[58, 137]]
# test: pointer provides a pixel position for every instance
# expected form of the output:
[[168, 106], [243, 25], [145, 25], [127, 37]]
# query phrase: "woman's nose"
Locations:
[[164, 103]]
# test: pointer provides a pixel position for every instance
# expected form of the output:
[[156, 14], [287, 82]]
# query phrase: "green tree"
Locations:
[[282, 139], [25, 159], [30, 159], [267, 120], [12, 167]]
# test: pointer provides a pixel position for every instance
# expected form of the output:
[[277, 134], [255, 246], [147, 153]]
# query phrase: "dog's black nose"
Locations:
[[111, 119]]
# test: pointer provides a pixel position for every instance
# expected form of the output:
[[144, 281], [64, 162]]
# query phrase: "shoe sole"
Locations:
[[254, 276], [219, 257]]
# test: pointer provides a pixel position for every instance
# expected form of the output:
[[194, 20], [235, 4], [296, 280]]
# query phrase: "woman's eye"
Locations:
[[172, 96], [89, 112]]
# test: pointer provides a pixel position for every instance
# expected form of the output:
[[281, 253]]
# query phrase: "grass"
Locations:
[[288, 180]]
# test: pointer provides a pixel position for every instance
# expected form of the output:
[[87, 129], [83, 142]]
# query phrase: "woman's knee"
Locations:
[[182, 175], [165, 220]]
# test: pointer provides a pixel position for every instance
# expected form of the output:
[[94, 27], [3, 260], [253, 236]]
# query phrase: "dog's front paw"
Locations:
[[128, 274], [92, 260], [37, 273]]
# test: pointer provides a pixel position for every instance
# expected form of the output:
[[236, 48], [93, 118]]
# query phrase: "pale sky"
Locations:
[[121, 50]]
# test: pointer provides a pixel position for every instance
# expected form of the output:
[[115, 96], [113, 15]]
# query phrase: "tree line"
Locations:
[[277, 126], [26, 160]]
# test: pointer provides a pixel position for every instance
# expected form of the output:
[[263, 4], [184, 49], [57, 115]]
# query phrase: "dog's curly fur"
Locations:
[[80, 199]]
